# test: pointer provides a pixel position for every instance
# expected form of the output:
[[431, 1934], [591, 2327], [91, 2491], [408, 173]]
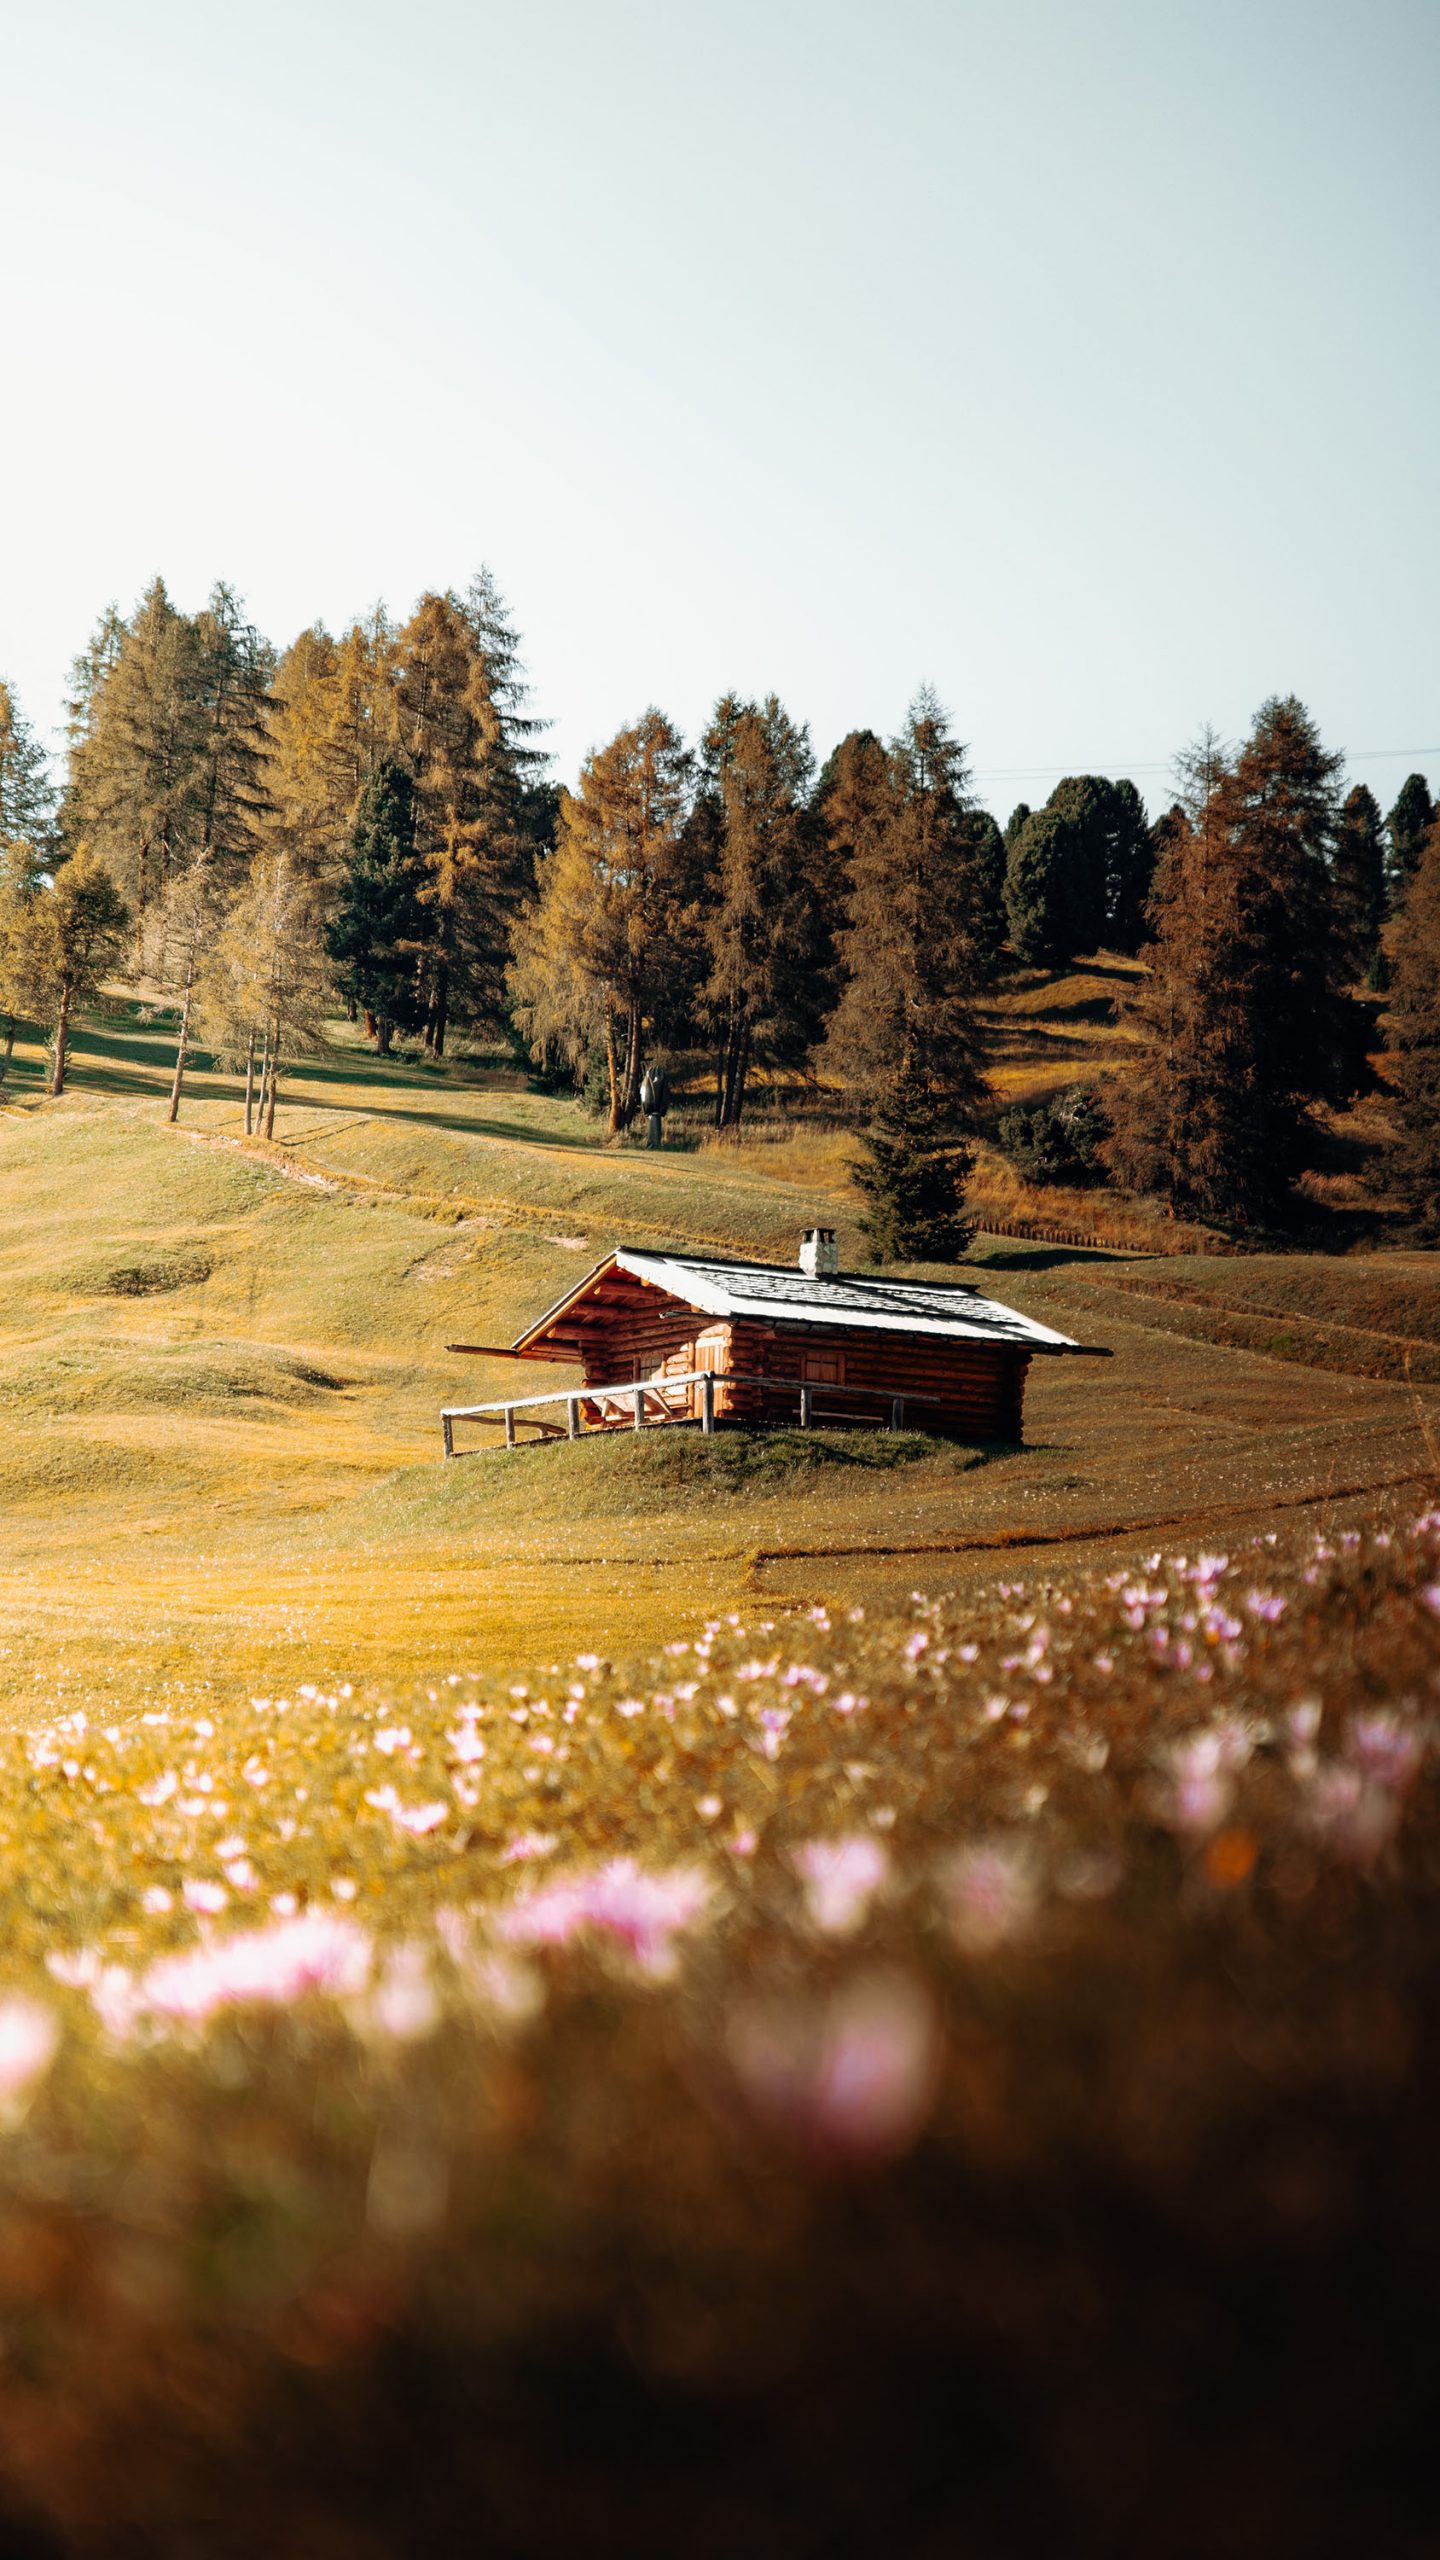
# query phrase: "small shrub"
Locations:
[[1057, 1141]]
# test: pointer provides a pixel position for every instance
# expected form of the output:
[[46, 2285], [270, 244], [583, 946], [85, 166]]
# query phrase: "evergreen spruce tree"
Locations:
[[1078, 871], [913, 1175], [377, 936], [1245, 1023], [1406, 828], [27, 795], [1359, 879], [763, 922], [918, 946], [1129, 868], [1413, 1062], [1038, 900]]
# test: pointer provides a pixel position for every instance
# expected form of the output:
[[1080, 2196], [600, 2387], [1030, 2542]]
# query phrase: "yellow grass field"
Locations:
[[221, 1369]]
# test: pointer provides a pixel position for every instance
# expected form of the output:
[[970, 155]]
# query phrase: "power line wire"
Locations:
[[1124, 765]]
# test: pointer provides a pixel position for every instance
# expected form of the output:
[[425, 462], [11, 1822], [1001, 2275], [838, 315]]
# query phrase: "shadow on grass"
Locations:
[[1017, 1256]]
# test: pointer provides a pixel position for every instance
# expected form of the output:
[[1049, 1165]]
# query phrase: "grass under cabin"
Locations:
[[811, 1994]]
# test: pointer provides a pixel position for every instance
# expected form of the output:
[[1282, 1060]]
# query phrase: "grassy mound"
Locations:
[[962, 2082]]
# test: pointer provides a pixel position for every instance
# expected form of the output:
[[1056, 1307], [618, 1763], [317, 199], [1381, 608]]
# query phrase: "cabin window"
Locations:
[[711, 1348], [823, 1368]]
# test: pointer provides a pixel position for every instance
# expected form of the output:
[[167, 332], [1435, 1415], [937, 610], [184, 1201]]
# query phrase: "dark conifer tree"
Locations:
[[913, 1174], [1129, 868], [377, 936], [27, 795], [918, 946], [1407, 827], [1038, 900], [1359, 878], [1413, 1063], [764, 929], [1166, 836], [1246, 1027]]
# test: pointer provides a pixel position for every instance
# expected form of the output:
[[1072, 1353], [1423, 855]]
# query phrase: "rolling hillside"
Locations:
[[221, 1367]]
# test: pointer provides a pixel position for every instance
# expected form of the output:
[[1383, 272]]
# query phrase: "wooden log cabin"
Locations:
[[766, 1343]]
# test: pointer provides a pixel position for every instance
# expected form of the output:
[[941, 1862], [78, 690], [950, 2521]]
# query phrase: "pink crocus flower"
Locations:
[[841, 1878], [643, 1914], [851, 2075], [990, 1894], [29, 2038], [1388, 1750], [318, 1952], [204, 1897]]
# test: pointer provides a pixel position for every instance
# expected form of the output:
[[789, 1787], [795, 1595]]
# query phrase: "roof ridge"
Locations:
[[851, 1279]]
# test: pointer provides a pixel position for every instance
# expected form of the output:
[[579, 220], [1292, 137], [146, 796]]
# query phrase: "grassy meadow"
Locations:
[[815, 1994], [221, 1368]]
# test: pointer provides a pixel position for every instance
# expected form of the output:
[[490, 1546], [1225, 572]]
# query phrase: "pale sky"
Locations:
[[1076, 356]]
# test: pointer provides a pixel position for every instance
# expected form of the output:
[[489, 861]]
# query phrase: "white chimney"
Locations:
[[819, 1253]]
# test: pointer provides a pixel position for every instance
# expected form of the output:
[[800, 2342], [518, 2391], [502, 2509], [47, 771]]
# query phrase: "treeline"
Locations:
[[371, 819], [222, 792]]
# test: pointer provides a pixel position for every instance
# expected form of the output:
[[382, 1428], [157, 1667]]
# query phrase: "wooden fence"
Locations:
[[629, 1405]]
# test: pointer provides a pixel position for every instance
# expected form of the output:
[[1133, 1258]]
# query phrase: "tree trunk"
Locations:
[[612, 1069], [62, 1037], [383, 1031], [9, 1046], [183, 1044], [250, 1085], [264, 1078], [633, 1031], [437, 1013], [274, 1080], [372, 1027], [735, 1059]]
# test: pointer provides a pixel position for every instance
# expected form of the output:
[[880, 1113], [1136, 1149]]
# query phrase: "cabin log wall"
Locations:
[[974, 1391]]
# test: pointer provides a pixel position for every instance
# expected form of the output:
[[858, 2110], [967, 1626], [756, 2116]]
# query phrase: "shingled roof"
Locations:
[[781, 1294]]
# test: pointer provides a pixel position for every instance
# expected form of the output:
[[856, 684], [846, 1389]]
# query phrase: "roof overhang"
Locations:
[[719, 1291]]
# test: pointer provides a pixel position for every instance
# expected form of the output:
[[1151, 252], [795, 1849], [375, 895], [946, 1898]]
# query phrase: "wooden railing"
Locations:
[[629, 1399]]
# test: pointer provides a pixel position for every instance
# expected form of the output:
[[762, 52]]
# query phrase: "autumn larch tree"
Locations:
[[1413, 1060], [60, 935], [917, 949], [23, 992], [595, 949], [456, 727], [269, 980], [136, 739], [1246, 1028], [226, 800]]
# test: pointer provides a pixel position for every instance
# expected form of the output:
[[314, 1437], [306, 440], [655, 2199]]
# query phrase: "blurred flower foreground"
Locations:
[[963, 2084]]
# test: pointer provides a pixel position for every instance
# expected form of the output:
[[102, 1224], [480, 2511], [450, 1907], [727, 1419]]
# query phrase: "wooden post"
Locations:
[[509, 1426], [572, 1416], [805, 1408], [639, 1408], [897, 1414], [448, 1431], [707, 1403]]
